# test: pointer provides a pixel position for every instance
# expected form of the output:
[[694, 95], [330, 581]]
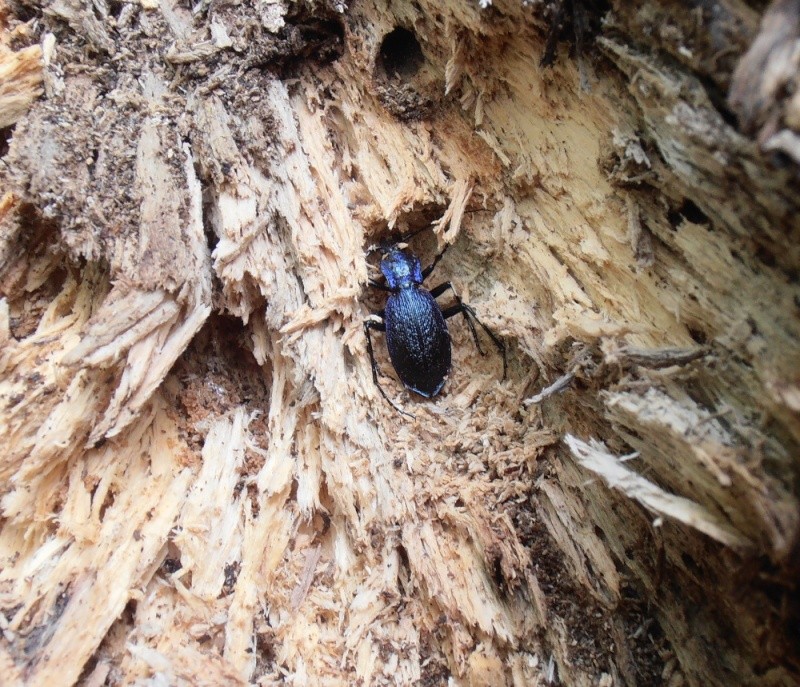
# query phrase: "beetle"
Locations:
[[415, 325]]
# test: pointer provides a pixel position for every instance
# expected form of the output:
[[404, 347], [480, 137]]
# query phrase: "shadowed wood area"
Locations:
[[200, 483]]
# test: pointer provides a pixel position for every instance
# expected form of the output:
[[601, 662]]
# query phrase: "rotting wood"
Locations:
[[200, 484], [596, 458], [21, 68], [20, 82]]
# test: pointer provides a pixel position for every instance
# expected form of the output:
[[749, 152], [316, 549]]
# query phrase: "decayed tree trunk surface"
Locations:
[[200, 483]]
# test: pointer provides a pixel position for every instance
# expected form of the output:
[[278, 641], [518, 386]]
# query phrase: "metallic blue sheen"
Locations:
[[401, 269], [415, 327], [417, 339]]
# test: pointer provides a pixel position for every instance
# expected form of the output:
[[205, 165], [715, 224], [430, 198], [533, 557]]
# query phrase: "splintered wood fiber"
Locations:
[[200, 483]]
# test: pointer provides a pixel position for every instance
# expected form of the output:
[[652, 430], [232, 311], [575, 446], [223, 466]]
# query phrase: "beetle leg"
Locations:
[[381, 327], [460, 308], [469, 316], [430, 267], [378, 326], [377, 285]]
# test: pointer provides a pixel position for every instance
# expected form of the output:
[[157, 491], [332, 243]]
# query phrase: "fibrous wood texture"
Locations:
[[200, 483]]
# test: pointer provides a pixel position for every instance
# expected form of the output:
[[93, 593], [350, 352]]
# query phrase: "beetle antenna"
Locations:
[[385, 244], [430, 225], [411, 234]]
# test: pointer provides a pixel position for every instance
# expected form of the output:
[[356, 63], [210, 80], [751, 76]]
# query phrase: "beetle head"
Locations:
[[401, 269]]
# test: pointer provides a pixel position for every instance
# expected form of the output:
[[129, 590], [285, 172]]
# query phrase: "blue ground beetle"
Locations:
[[414, 323]]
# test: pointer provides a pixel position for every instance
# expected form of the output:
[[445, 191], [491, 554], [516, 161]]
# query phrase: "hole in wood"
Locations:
[[687, 211], [698, 336], [766, 256], [400, 54], [691, 565], [5, 140]]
